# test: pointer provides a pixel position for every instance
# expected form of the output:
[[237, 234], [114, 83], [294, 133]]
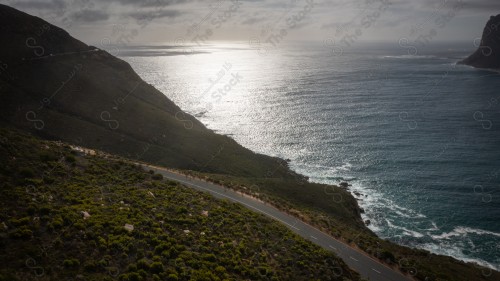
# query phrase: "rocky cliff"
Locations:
[[488, 53]]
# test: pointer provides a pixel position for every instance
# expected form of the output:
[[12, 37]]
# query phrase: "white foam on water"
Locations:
[[374, 200], [324, 174], [407, 215], [453, 251], [374, 225], [406, 231], [434, 226], [344, 167], [464, 231], [383, 214]]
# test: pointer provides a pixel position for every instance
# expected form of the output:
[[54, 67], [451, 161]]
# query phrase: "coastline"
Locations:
[[185, 143]]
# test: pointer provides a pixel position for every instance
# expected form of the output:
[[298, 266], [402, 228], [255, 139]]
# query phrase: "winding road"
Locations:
[[366, 266]]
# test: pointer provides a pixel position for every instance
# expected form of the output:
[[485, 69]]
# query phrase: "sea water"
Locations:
[[416, 135]]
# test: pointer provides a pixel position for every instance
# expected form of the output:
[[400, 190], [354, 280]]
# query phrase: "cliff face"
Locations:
[[488, 53], [57, 87]]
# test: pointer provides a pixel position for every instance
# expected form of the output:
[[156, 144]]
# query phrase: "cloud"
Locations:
[[252, 21], [38, 4], [152, 3], [478, 5], [325, 17], [155, 14], [89, 16]]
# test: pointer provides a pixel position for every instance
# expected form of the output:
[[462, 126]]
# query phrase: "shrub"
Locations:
[[220, 270], [182, 210], [156, 267], [388, 256], [143, 264], [45, 210], [71, 263], [209, 257], [27, 172], [157, 177], [162, 247], [134, 276], [31, 209], [20, 222], [132, 267], [166, 254], [70, 158], [22, 232], [46, 156], [172, 277], [90, 266], [48, 180]]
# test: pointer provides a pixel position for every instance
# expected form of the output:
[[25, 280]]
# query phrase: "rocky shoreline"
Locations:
[[357, 196]]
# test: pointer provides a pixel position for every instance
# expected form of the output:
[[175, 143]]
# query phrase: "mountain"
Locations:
[[488, 53], [57, 87]]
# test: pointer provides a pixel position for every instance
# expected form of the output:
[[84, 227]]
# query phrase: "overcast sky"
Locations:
[[173, 21]]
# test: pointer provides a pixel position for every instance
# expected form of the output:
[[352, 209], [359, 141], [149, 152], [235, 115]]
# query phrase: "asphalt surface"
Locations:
[[367, 267], [61, 54]]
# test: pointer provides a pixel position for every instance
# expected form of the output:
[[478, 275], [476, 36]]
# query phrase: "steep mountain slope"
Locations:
[[56, 86], [69, 216], [93, 99], [488, 53]]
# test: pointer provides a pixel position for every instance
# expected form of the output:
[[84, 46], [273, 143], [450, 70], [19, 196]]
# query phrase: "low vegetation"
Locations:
[[333, 210], [68, 216]]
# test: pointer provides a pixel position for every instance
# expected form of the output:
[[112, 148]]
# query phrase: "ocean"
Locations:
[[417, 136]]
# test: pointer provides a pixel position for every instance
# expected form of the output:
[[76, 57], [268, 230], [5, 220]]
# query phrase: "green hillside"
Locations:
[[64, 215], [57, 87]]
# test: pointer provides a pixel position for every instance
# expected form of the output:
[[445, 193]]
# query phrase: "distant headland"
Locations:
[[488, 53]]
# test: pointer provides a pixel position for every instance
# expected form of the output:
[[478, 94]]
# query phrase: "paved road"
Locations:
[[368, 267], [61, 54]]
